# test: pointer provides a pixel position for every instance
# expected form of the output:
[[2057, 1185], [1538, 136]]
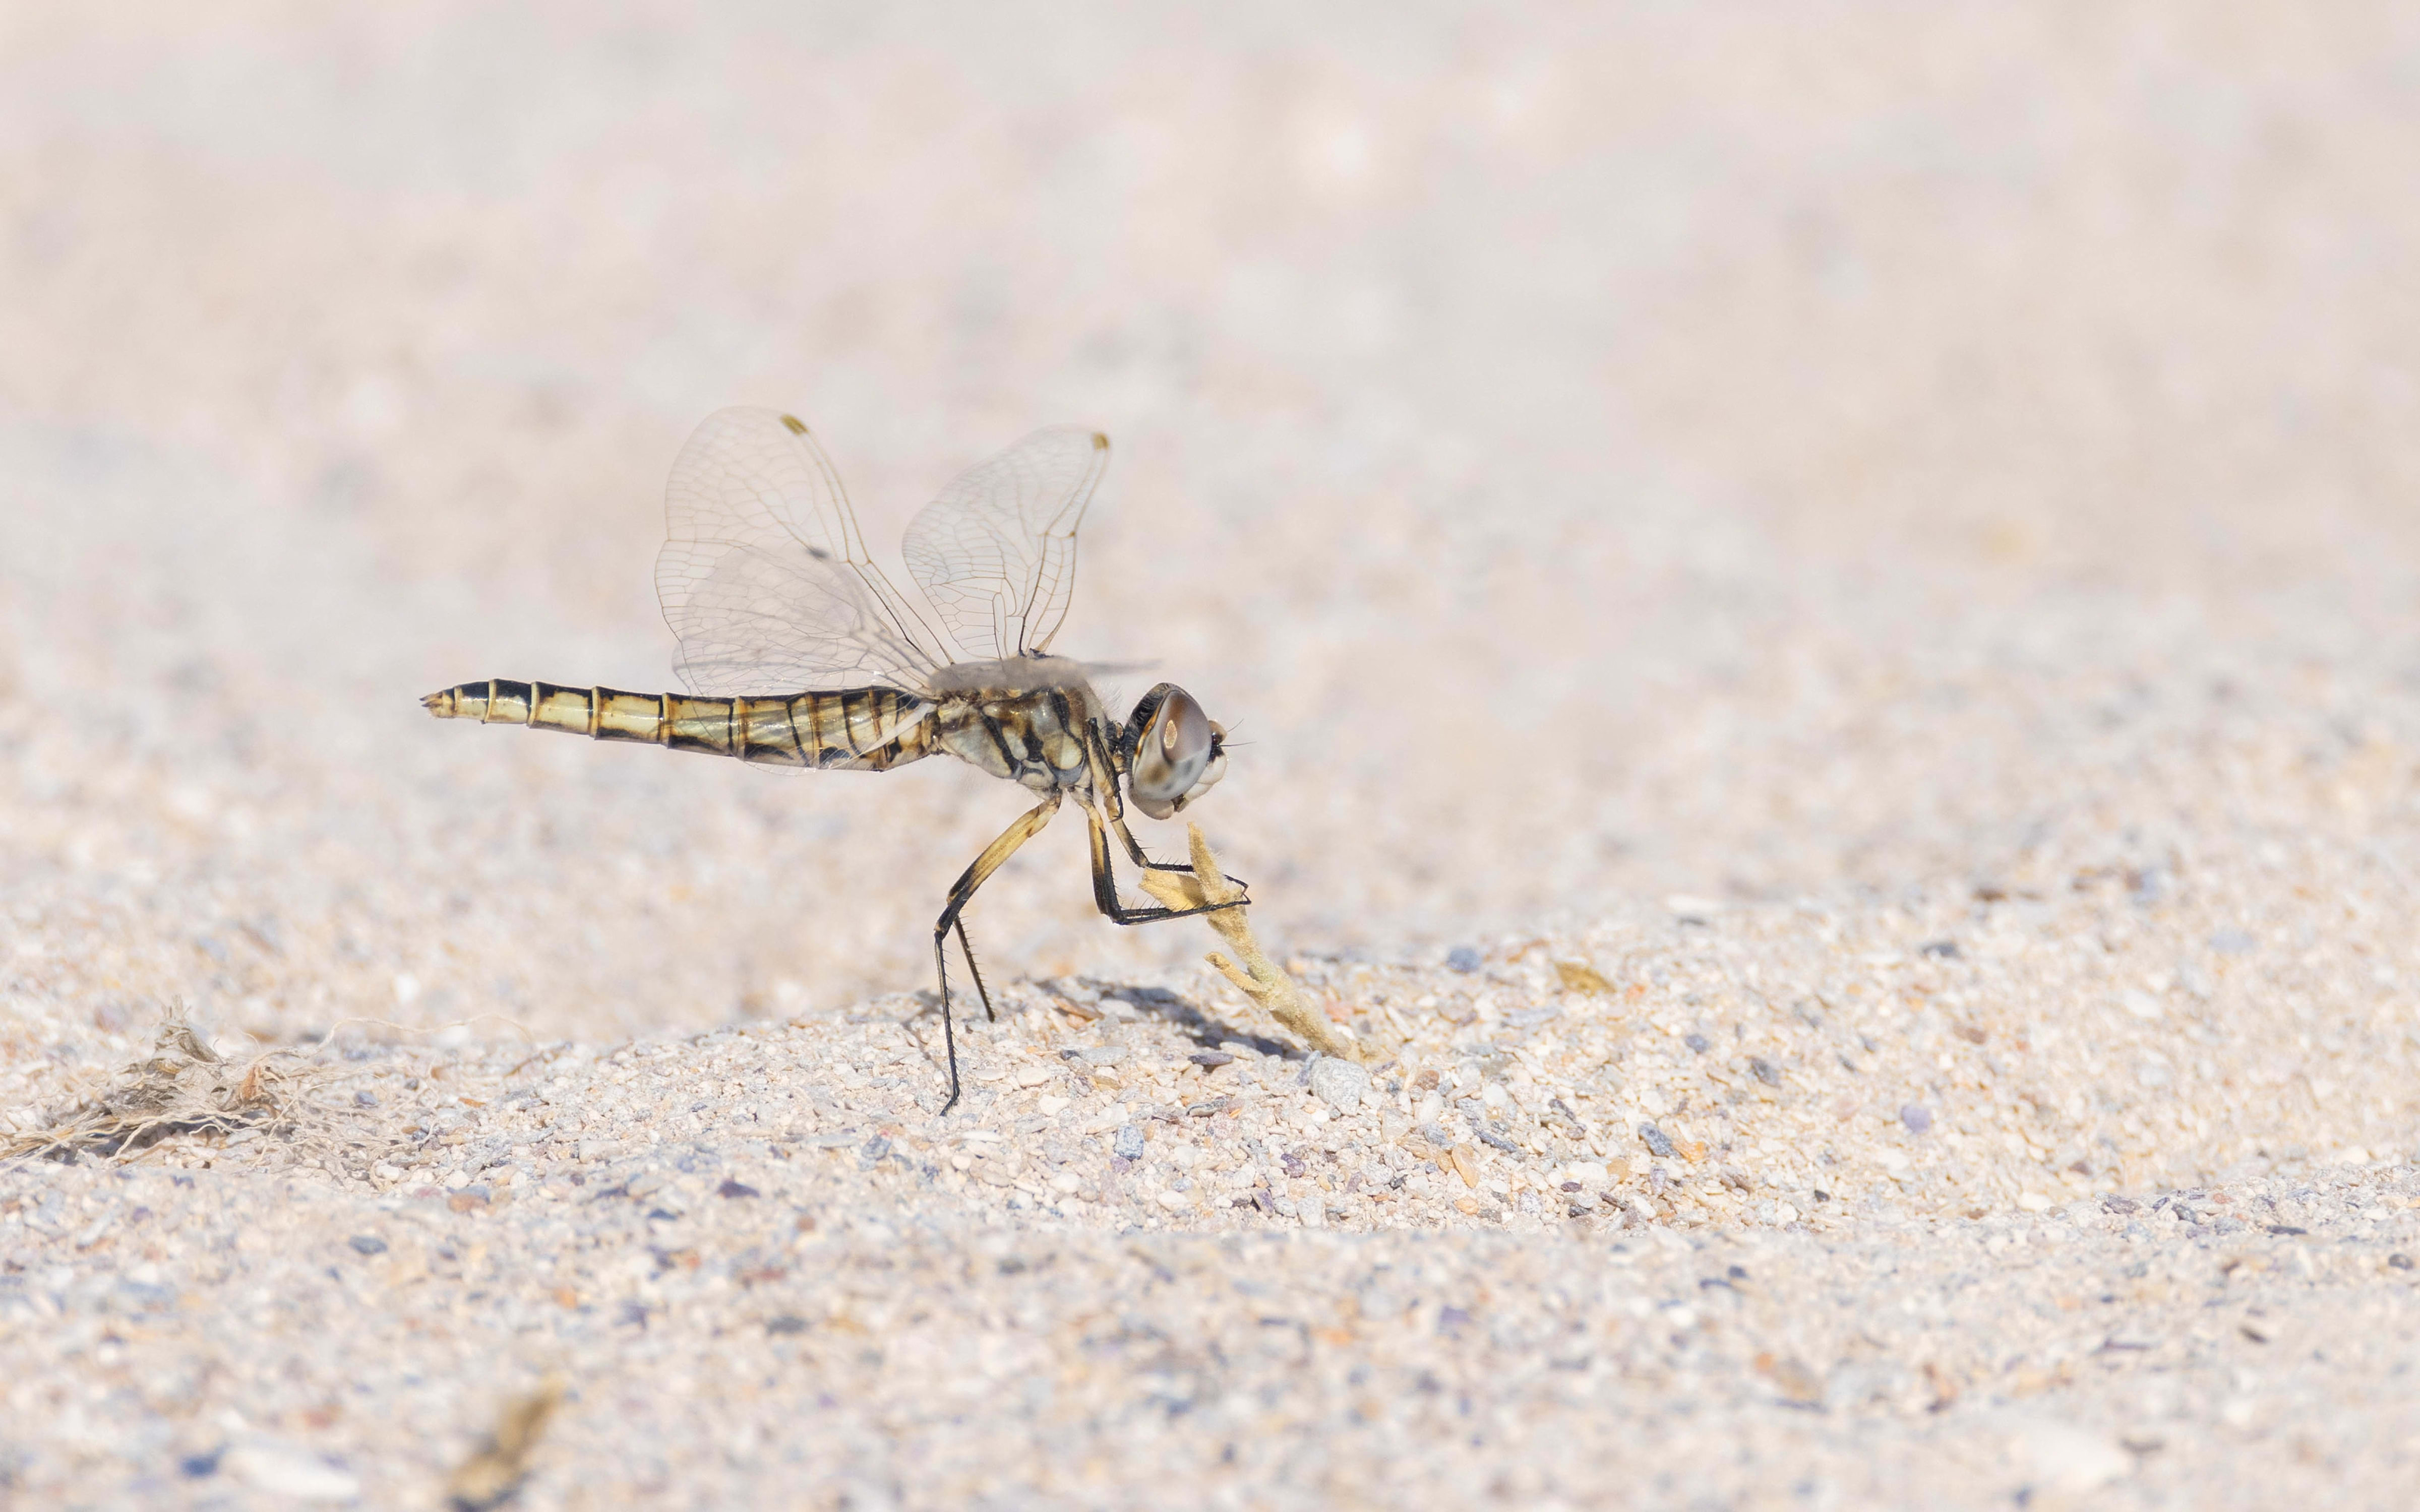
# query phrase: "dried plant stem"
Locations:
[[493, 1475], [1258, 978]]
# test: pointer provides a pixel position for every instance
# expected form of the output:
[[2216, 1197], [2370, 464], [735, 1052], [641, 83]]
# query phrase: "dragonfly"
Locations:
[[799, 653]]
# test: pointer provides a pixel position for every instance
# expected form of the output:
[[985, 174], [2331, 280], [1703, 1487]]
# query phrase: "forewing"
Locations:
[[996, 552], [764, 576]]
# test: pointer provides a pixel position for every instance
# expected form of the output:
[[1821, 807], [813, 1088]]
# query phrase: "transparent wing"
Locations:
[[764, 576], [996, 552]]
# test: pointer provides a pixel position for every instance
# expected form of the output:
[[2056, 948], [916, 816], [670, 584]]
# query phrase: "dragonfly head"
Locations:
[[1178, 752]]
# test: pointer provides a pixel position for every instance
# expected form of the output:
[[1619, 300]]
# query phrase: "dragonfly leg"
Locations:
[[1134, 850], [1105, 885], [998, 851], [966, 947]]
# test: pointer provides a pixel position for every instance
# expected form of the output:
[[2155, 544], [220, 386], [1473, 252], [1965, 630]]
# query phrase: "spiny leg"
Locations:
[[967, 948], [1134, 850], [1000, 850], [1104, 884]]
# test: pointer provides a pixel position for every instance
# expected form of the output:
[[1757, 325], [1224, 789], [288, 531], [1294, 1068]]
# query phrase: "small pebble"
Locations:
[[1340, 1084], [1918, 1118], [1129, 1144], [735, 1189], [1210, 1059], [283, 1470], [367, 1244], [1764, 1071], [2071, 1461], [1658, 1143], [1698, 1042], [1462, 958]]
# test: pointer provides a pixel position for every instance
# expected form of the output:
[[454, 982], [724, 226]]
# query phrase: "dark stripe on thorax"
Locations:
[[999, 738]]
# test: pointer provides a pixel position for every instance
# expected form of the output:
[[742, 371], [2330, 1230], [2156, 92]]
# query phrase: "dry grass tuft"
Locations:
[[1259, 978], [183, 1086]]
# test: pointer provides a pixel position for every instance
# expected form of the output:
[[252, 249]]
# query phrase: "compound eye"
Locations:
[[1169, 754], [1212, 772]]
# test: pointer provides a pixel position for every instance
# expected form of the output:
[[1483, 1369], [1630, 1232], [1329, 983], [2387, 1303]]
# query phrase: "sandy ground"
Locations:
[[1822, 603]]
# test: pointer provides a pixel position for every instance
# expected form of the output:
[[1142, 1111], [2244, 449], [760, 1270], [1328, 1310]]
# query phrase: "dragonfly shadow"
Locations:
[[1209, 1032], [1206, 1031]]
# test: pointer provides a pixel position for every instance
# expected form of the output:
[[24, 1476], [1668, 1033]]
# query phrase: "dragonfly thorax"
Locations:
[[1050, 737]]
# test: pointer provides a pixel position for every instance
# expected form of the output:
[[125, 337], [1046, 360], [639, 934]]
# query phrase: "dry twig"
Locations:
[[493, 1475], [1259, 978]]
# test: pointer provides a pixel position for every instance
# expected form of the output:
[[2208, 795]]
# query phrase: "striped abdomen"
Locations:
[[858, 729]]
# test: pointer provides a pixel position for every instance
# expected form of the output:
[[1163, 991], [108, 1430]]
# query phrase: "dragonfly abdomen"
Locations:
[[866, 729]]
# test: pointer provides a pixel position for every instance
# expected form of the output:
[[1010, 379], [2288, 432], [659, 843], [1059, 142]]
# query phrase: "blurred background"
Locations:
[[1588, 454]]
